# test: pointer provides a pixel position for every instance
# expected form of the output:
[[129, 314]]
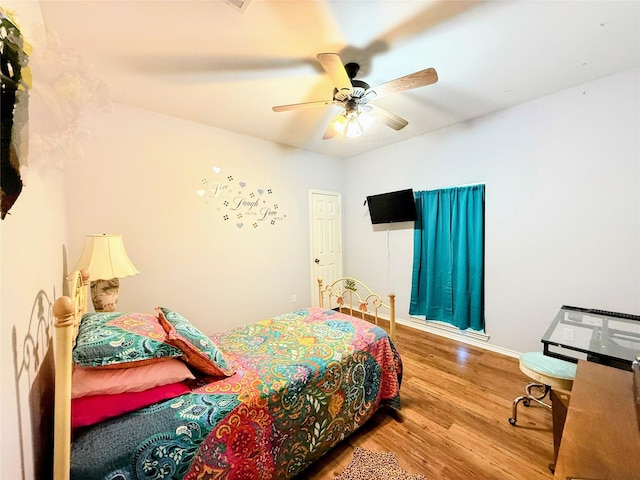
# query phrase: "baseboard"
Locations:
[[477, 339]]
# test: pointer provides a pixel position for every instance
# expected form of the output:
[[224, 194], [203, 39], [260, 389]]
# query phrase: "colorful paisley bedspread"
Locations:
[[304, 381]]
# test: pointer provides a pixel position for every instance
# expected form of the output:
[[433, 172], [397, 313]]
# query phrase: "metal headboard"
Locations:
[[352, 296]]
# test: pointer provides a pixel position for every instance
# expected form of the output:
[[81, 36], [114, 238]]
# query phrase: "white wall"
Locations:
[[562, 177], [32, 257], [139, 177], [563, 216]]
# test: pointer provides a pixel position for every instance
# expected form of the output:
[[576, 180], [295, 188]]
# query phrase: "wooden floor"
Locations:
[[456, 401]]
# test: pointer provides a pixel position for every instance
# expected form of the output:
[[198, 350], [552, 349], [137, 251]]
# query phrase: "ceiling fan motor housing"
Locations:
[[359, 88], [352, 69]]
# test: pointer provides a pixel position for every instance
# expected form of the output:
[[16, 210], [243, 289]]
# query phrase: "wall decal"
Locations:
[[237, 199]]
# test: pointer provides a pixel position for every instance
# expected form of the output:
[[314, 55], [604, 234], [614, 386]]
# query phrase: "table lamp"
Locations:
[[104, 256]]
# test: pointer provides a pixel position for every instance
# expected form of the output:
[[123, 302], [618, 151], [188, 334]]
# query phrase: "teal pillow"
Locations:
[[121, 340], [198, 349]]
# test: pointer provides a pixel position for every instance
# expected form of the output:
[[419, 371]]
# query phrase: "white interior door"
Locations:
[[326, 239]]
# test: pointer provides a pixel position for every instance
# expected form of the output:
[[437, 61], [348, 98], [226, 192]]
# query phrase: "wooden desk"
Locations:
[[601, 437]]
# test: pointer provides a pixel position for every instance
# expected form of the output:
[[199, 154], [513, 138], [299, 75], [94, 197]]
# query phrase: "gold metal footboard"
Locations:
[[352, 296]]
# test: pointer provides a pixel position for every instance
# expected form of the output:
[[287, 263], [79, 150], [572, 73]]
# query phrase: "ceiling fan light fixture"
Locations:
[[353, 129], [339, 123], [353, 124]]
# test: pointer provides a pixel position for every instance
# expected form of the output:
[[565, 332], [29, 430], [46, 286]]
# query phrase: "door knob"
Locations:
[[317, 260]]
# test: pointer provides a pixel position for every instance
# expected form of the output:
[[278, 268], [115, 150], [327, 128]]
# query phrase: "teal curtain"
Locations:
[[448, 256]]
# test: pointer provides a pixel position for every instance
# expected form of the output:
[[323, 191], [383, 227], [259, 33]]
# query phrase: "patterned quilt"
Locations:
[[304, 381]]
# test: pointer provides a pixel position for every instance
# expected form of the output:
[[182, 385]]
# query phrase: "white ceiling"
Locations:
[[207, 62]]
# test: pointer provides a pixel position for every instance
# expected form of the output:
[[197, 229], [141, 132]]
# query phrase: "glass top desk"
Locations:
[[609, 338]]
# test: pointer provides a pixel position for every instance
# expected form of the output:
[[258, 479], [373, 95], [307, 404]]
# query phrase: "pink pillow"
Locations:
[[96, 381], [96, 408]]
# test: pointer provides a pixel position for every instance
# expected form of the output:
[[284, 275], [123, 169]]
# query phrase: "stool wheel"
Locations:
[[512, 421], [526, 403]]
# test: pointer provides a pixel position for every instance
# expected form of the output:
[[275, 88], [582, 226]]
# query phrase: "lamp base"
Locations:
[[104, 294]]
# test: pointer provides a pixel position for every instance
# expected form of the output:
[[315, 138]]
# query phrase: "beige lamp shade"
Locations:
[[105, 258]]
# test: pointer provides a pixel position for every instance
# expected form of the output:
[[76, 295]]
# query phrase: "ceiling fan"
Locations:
[[354, 96]]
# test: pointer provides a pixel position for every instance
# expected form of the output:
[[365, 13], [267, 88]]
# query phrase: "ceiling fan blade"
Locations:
[[333, 65], [214, 65], [433, 14], [424, 77], [298, 106], [390, 119]]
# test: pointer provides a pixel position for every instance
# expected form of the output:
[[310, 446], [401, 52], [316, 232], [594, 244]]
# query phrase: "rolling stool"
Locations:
[[547, 373]]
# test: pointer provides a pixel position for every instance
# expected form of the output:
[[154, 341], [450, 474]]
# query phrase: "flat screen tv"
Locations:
[[392, 207]]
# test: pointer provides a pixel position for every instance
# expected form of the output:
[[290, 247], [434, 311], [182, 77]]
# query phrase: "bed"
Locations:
[[263, 401]]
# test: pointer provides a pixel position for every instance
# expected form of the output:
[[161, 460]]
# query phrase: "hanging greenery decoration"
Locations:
[[14, 84], [350, 285]]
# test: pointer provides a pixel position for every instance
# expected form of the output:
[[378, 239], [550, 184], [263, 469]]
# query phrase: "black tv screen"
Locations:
[[392, 207]]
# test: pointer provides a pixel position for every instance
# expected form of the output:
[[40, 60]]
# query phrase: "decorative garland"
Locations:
[[14, 83]]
